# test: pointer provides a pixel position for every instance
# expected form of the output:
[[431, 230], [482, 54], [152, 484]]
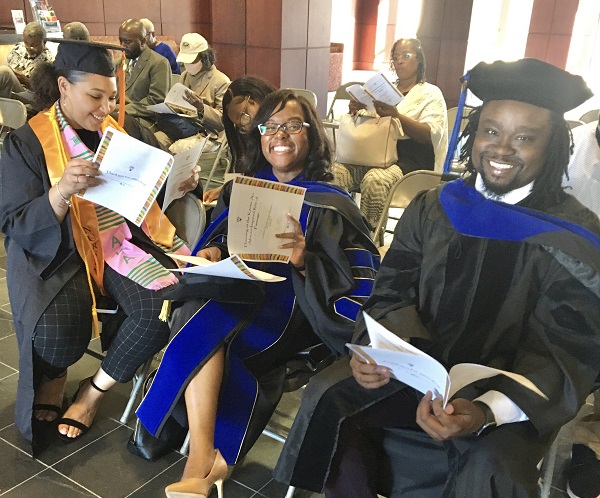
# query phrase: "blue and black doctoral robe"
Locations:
[[319, 307], [472, 280]]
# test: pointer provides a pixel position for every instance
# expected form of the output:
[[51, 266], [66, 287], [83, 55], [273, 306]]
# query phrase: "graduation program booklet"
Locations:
[[257, 212], [132, 175], [232, 267], [378, 87], [175, 103], [183, 167], [420, 371]]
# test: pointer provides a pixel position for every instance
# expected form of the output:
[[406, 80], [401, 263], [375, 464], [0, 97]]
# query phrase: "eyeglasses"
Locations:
[[406, 56], [291, 127]]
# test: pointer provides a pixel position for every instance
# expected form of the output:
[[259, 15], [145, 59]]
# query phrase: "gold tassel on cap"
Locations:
[[165, 311]]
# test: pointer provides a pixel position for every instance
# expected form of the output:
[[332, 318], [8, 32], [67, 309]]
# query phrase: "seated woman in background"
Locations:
[[423, 119], [63, 251], [240, 104], [224, 353]]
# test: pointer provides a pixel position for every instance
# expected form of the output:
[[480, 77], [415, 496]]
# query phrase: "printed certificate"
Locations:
[[132, 175], [257, 212]]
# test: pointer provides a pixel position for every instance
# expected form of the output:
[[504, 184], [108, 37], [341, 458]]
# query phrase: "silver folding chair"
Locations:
[[13, 115], [590, 116], [219, 164], [400, 195], [574, 123], [341, 94], [189, 218]]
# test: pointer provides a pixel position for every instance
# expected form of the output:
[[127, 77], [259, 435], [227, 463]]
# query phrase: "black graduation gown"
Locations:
[[530, 307], [41, 252], [259, 338]]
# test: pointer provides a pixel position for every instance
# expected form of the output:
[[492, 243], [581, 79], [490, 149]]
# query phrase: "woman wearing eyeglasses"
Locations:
[[240, 104], [423, 119], [234, 354]]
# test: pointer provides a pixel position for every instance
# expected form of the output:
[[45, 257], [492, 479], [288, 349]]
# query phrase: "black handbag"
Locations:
[[149, 447]]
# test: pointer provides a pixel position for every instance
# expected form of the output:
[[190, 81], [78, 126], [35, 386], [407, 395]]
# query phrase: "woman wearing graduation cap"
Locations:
[[64, 252]]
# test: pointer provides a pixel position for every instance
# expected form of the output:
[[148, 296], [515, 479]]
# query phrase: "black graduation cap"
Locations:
[[89, 57], [529, 80]]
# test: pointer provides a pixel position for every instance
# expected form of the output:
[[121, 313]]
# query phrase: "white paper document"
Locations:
[[257, 212], [183, 166], [419, 370], [232, 267], [358, 94], [378, 87], [132, 175], [175, 103]]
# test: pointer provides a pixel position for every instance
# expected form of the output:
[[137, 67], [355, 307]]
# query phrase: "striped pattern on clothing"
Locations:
[[374, 185]]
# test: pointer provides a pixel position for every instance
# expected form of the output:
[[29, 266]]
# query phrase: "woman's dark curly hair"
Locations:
[[415, 44], [318, 162], [558, 153], [44, 84], [246, 86]]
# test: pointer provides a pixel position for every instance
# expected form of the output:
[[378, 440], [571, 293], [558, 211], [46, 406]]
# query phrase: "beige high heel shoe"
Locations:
[[195, 487]]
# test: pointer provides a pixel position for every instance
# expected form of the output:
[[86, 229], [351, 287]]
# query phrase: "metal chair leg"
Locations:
[[273, 435], [215, 163], [548, 466], [138, 382], [185, 447]]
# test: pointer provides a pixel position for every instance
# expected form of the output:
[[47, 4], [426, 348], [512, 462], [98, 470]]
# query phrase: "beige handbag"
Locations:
[[367, 141]]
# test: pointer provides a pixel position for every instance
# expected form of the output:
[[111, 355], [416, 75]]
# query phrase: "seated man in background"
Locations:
[[207, 85], [22, 59], [147, 74], [161, 48], [76, 31], [502, 270]]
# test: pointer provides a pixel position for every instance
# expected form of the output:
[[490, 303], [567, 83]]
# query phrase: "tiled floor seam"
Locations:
[[16, 372], [157, 475]]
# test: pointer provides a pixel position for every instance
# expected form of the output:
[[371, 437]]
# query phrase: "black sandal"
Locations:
[[49, 407], [76, 423]]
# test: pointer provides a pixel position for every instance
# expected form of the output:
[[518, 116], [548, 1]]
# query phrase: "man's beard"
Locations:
[[497, 190]]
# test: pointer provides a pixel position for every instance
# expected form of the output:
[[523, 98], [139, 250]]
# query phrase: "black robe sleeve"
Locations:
[[27, 216]]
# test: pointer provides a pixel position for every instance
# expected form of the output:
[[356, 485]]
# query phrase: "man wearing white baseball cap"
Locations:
[[207, 85]]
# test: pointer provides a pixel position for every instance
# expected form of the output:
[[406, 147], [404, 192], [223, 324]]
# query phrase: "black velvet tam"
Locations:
[[88, 57], [529, 80]]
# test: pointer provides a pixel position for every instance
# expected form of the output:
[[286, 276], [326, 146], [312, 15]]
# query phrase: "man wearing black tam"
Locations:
[[501, 269]]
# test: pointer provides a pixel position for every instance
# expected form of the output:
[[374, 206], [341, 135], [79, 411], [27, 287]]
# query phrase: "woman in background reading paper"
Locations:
[[65, 252], [229, 350], [423, 118], [240, 104]]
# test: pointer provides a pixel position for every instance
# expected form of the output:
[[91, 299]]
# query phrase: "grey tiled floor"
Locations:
[[99, 465]]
